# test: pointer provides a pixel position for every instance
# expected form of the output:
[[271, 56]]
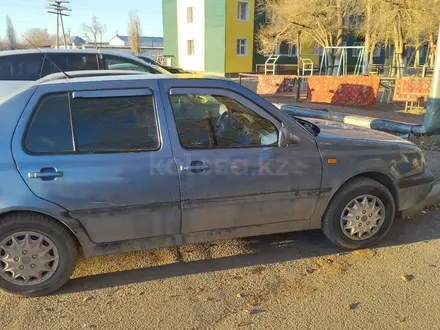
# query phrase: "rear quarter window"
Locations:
[[50, 129], [20, 67]]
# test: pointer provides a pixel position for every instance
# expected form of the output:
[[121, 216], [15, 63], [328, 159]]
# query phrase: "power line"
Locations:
[[57, 7]]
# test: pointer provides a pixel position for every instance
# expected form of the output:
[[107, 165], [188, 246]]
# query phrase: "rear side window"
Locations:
[[20, 67], [69, 62], [50, 129], [115, 124], [120, 63]]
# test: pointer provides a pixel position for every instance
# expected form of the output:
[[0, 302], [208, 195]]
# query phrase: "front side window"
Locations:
[[116, 124], [50, 129], [69, 62], [242, 47], [20, 67], [243, 11], [120, 63], [217, 121]]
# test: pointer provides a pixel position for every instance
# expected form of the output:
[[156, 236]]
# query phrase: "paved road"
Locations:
[[289, 281]]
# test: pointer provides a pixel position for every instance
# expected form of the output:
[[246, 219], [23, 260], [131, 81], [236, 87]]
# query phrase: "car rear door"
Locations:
[[232, 171], [90, 147]]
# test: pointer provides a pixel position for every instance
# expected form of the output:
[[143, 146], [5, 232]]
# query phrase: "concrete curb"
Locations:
[[384, 125], [432, 199]]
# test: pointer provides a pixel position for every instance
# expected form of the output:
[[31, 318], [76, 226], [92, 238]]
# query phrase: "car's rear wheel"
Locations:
[[359, 215], [37, 254]]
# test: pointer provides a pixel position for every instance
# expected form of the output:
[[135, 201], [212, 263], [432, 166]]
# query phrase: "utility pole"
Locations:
[[58, 8]]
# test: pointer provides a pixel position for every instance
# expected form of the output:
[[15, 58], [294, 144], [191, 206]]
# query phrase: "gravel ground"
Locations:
[[289, 281]]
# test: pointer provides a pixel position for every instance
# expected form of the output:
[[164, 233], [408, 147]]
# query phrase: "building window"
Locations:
[[242, 47], [292, 50], [317, 50], [377, 51], [189, 15], [356, 51], [278, 49], [269, 15], [243, 11], [190, 45]]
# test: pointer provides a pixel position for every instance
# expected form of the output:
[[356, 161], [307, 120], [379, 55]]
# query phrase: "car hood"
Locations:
[[361, 150], [340, 131]]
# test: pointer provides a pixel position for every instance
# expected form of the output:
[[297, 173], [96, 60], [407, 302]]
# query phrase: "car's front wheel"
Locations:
[[359, 215], [37, 254]]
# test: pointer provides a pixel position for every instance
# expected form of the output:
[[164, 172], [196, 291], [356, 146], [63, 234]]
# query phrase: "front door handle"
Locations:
[[196, 166], [46, 174]]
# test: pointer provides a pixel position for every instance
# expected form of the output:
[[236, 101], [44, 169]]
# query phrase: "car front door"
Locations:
[[89, 148], [233, 173]]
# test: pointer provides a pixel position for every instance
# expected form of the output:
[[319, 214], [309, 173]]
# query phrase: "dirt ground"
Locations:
[[289, 281]]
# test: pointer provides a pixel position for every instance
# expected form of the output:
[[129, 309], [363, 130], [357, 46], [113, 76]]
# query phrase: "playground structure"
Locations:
[[340, 56]]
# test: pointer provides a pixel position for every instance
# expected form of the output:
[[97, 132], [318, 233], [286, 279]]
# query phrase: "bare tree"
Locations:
[[406, 24], [134, 32], [402, 23], [367, 17], [37, 37], [93, 32], [10, 33], [321, 22]]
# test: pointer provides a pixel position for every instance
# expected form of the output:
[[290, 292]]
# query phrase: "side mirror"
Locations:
[[287, 138]]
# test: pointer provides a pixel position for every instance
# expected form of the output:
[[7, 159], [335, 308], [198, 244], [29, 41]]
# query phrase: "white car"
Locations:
[[18, 68]]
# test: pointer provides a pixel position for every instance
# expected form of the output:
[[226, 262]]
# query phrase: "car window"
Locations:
[[50, 130], [120, 63], [69, 62], [116, 124], [20, 67], [217, 121]]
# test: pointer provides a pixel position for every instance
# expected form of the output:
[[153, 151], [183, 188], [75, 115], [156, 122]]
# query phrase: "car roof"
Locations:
[[48, 51], [88, 73], [95, 76], [63, 51]]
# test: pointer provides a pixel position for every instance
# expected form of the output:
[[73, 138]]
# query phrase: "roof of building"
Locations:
[[144, 41], [78, 40]]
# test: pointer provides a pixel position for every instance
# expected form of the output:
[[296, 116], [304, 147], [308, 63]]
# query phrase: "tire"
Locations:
[[331, 222], [44, 234]]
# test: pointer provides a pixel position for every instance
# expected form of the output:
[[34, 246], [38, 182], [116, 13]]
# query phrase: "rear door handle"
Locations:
[[46, 174]]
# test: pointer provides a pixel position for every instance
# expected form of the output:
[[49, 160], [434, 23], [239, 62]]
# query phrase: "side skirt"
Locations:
[[91, 250]]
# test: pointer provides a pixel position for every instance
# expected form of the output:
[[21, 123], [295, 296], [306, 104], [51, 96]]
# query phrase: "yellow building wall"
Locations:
[[307, 50], [236, 29]]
